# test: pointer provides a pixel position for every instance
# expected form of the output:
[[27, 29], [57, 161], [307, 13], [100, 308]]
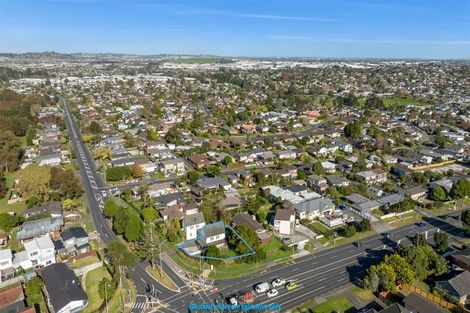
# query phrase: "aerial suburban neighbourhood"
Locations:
[[156, 182]]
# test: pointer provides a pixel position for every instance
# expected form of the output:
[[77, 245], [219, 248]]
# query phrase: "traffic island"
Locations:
[[161, 277]]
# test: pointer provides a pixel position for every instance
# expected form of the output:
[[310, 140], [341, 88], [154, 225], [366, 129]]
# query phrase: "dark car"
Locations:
[[388, 235], [421, 224], [357, 244]]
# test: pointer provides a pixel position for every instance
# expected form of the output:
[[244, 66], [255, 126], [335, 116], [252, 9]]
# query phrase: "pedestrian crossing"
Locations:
[[140, 305]]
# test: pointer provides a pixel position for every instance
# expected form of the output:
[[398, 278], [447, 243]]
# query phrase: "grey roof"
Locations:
[[458, 286], [356, 198], [314, 205], [297, 188], [246, 219], [51, 207], [211, 182], [391, 199], [395, 308], [62, 285], [336, 180], [421, 305], [366, 206], [40, 227], [194, 219], [165, 199], [213, 229]]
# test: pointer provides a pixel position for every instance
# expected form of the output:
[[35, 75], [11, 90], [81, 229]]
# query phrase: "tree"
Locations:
[[419, 240], [106, 288], [318, 168], [441, 242], [364, 225], [8, 222], [213, 170], [148, 248], [110, 208], [403, 271], [103, 153], [438, 194], [192, 177], [118, 173], [3, 186], [33, 291], [64, 184], [120, 221], [119, 256], [34, 180], [301, 174], [137, 171], [94, 128], [133, 228], [228, 160], [461, 189], [250, 237], [149, 214], [380, 277], [352, 130], [348, 231], [465, 218], [213, 252]]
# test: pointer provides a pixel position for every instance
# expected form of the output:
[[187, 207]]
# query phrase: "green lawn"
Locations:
[[273, 250], [336, 304], [92, 281], [364, 295], [319, 228], [231, 269], [18, 207], [357, 236], [85, 261], [402, 101], [405, 219]]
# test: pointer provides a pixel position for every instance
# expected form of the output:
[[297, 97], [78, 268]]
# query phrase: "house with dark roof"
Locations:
[[462, 259], [457, 287], [284, 221], [75, 241], [246, 219], [12, 299], [418, 304], [213, 234], [392, 308], [63, 289], [51, 208], [191, 224]]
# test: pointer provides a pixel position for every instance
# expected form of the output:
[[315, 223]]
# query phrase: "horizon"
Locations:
[[340, 29]]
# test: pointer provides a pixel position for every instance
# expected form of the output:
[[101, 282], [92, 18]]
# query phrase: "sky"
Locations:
[[253, 28]]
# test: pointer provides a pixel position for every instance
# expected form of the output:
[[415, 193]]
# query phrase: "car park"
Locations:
[[291, 286], [272, 293], [278, 282]]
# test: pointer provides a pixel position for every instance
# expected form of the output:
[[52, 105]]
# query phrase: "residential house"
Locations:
[[284, 221], [75, 241], [317, 183], [198, 160], [6, 265], [40, 227], [38, 252], [172, 212], [458, 287], [314, 208], [210, 183], [418, 304], [12, 300], [172, 167], [212, 234], [337, 181], [191, 223], [246, 219], [63, 289], [461, 259], [50, 208], [373, 176]]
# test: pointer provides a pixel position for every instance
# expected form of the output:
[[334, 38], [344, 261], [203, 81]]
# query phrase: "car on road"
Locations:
[[278, 282], [421, 224], [262, 288], [233, 301], [357, 244], [388, 235], [272, 293], [291, 286]]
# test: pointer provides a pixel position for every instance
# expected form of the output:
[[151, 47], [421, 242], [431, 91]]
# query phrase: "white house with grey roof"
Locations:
[[314, 208], [191, 224], [38, 252]]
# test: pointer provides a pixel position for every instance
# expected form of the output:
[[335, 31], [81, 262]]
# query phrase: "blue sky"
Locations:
[[312, 28]]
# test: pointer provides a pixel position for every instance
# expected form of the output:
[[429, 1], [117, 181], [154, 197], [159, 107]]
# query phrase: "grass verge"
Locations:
[[92, 281], [161, 277]]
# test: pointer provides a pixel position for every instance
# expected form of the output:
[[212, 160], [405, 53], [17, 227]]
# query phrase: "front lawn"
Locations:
[[273, 250], [92, 281], [337, 304], [356, 237], [85, 261]]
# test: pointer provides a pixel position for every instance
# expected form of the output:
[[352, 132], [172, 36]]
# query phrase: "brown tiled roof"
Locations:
[[11, 295]]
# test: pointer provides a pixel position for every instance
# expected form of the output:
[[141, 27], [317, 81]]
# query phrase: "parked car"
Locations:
[[421, 224], [291, 286], [262, 287], [278, 282], [233, 301], [286, 240], [272, 293]]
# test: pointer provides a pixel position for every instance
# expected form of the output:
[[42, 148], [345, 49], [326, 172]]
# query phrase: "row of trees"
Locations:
[[125, 222], [460, 190]]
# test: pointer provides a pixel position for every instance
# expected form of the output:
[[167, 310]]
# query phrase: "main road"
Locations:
[[315, 275]]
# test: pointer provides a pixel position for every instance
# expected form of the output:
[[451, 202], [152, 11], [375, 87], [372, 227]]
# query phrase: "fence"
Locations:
[[389, 215], [439, 301]]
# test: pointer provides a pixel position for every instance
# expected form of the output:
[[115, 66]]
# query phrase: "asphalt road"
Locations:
[[315, 275]]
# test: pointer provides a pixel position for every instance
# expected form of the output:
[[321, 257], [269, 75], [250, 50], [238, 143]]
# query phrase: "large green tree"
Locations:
[[439, 194], [461, 189], [34, 181], [441, 242], [133, 228]]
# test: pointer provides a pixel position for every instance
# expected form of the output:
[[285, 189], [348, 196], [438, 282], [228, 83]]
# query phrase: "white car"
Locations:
[[278, 282], [272, 293], [233, 301]]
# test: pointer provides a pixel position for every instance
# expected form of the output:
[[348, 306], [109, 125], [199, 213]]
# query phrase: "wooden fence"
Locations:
[[438, 300]]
